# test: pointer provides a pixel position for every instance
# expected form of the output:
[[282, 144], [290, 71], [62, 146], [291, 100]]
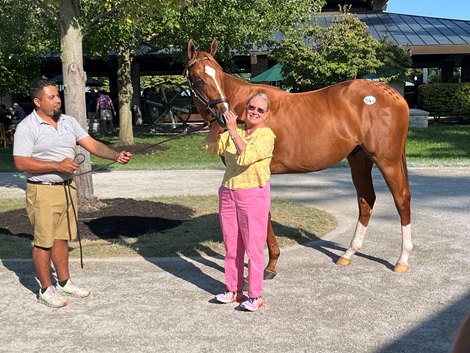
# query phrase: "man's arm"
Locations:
[[32, 165], [101, 150]]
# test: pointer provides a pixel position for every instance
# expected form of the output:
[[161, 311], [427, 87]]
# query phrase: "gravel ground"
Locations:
[[313, 305]]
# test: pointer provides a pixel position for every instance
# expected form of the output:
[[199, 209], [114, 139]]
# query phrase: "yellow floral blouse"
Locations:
[[250, 168]]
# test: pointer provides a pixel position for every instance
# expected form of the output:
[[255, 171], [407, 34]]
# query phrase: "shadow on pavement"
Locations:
[[427, 337]]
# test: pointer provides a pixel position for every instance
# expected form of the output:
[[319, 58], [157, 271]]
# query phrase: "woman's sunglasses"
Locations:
[[259, 110]]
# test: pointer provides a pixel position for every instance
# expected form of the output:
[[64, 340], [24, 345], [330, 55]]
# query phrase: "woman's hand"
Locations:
[[231, 121]]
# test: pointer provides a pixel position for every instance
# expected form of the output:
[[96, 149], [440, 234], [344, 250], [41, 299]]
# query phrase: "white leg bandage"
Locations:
[[406, 244], [357, 240]]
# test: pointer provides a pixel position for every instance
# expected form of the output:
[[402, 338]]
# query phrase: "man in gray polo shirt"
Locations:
[[44, 149]]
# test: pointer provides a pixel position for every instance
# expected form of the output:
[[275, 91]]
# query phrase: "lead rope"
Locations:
[[187, 131], [69, 200]]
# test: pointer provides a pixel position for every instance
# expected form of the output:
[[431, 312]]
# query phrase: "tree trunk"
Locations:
[[126, 136], [74, 85]]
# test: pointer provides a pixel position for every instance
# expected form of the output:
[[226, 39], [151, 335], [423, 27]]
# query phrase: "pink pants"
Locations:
[[244, 220]]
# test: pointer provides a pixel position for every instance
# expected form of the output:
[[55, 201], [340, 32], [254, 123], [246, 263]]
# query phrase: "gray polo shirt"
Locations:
[[37, 139]]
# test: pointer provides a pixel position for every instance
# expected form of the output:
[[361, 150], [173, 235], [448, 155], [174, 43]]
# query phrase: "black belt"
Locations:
[[65, 182]]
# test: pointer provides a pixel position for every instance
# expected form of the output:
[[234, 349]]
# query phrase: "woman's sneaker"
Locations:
[[229, 297], [73, 290], [252, 304], [51, 298]]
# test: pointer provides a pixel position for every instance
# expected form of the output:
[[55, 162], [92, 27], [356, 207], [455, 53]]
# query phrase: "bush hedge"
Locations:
[[445, 99]]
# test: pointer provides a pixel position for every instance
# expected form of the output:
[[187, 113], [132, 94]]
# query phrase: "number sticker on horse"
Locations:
[[369, 100]]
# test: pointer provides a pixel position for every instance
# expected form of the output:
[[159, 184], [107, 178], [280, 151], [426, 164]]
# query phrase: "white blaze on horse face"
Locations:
[[210, 71], [406, 244], [357, 240]]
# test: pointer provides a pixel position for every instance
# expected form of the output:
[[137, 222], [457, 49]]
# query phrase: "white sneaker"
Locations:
[[51, 298], [73, 290], [252, 304], [230, 297]]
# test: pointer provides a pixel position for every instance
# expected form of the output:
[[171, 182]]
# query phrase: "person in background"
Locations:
[[105, 107], [18, 112], [91, 100], [45, 149], [244, 198]]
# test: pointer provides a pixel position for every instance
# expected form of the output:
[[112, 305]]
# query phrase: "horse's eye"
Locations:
[[199, 82]]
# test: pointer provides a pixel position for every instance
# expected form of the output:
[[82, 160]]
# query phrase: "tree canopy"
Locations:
[[314, 57], [24, 39]]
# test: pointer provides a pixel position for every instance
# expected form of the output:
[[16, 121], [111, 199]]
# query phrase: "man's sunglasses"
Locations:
[[259, 110]]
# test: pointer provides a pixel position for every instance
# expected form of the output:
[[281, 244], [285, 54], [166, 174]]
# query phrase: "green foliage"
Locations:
[[332, 54], [25, 32], [434, 75], [396, 62], [110, 25], [241, 25], [445, 99], [170, 80], [315, 57]]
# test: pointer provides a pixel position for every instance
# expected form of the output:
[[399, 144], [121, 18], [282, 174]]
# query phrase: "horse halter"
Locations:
[[208, 104]]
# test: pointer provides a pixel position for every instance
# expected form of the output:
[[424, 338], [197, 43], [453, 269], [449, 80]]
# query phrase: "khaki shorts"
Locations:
[[47, 210]]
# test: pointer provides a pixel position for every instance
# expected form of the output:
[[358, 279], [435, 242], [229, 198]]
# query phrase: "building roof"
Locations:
[[423, 35]]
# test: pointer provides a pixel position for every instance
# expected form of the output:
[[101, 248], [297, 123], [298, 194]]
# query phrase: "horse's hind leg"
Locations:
[[361, 167], [396, 177], [273, 250]]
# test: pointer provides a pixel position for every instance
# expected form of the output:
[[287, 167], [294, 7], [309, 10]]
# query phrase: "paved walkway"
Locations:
[[164, 305]]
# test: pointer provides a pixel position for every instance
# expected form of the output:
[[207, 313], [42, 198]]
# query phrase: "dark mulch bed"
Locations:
[[117, 217]]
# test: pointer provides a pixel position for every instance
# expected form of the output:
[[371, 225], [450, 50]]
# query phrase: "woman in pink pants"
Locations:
[[244, 198]]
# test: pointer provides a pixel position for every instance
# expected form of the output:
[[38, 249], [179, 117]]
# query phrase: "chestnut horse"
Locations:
[[363, 121]]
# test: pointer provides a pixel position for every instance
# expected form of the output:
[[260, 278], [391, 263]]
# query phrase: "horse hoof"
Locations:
[[342, 261], [400, 267], [269, 274]]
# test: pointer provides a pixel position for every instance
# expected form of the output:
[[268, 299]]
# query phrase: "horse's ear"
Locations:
[[191, 49], [214, 44]]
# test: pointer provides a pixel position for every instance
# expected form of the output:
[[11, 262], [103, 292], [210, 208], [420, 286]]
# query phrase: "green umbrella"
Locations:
[[90, 81], [382, 72], [270, 75]]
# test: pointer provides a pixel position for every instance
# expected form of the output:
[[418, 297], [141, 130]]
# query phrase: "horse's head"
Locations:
[[205, 81]]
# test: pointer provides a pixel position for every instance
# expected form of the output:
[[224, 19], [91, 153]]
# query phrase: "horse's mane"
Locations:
[[202, 54]]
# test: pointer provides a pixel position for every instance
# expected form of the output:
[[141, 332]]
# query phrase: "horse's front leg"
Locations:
[[273, 250]]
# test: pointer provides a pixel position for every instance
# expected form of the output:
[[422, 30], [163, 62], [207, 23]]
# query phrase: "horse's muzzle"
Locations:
[[221, 120]]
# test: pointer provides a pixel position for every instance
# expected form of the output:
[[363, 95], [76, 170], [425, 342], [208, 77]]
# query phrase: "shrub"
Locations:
[[451, 99]]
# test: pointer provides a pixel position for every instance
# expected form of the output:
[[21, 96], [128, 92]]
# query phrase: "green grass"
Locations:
[[293, 223], [437, 145], [185, 152]]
